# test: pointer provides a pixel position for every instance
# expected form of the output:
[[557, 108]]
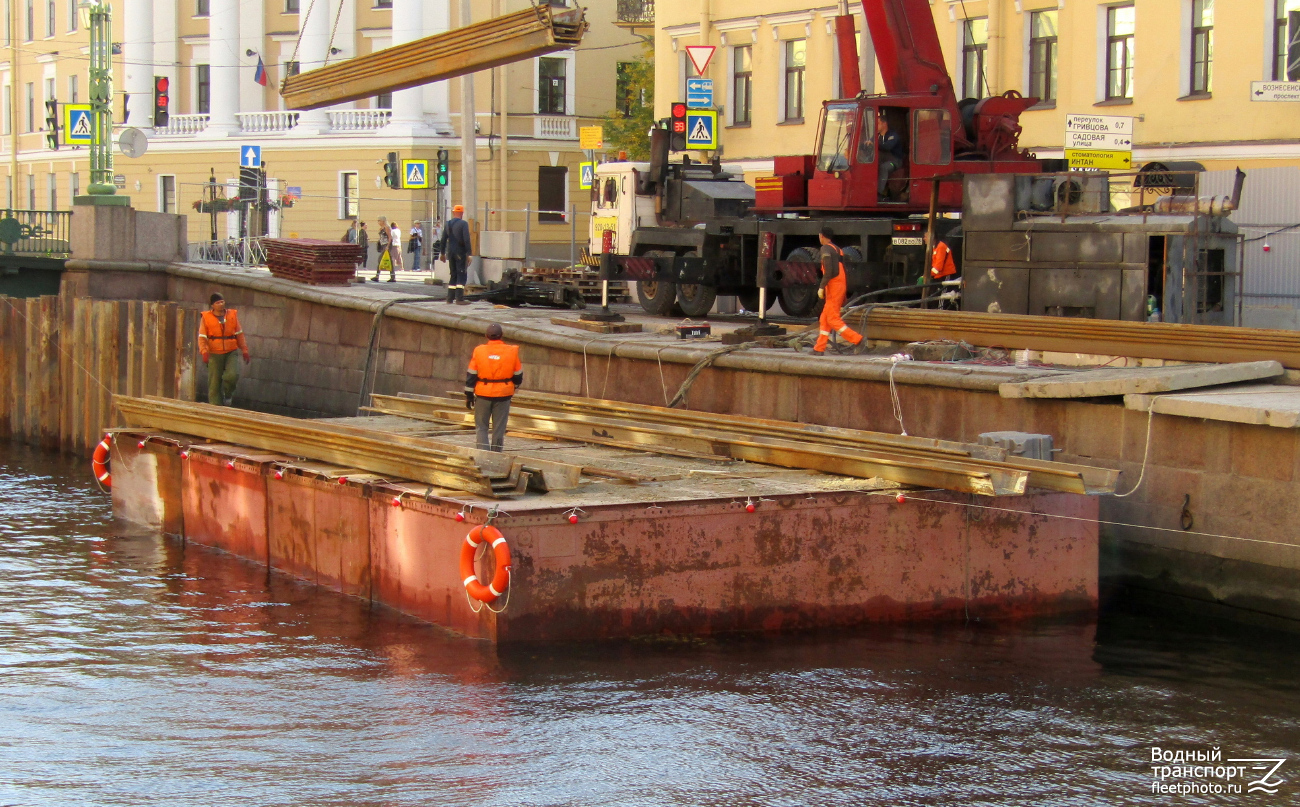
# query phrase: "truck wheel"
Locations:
[[749, 299], [801, 301], [655, 297], [696, 300]]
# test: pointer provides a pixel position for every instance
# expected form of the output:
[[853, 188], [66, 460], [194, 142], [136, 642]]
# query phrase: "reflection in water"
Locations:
[[134, 670]]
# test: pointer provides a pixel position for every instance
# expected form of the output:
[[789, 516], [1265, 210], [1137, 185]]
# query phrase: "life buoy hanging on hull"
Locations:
[[485, 533], [99, 461]]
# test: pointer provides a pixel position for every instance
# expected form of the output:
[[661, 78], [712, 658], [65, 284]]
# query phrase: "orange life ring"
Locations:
[[485, 533], [99, 461]]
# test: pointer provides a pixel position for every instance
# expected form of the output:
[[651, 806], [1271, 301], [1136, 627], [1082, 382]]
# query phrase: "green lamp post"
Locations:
[[98, 17]]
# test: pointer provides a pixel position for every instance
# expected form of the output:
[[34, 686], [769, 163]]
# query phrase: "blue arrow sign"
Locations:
[[699, 93], [250, 156]]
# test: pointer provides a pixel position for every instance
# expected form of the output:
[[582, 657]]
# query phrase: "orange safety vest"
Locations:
[[941, 263], [496, 364], [220, 337], [840, 278]]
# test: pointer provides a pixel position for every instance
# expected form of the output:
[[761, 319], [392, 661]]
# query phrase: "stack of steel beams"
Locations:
[[313, 260], [510, 38]]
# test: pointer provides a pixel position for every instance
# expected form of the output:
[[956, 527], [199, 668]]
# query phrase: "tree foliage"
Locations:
[[627, 128]]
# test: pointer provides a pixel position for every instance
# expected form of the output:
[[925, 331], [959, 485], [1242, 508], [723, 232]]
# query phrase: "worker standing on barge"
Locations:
[[495, 372], [219, 337], [834, 288]]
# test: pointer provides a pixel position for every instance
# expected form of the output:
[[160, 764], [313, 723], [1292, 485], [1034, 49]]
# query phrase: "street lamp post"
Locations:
[[98, 16]]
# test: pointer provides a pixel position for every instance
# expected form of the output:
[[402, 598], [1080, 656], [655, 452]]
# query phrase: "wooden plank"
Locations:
[[76, 403], [31, 371], [1107, 381], [165, 344], [6, 363], [49, 375], [468, 49], [186, 374], [598, 327]]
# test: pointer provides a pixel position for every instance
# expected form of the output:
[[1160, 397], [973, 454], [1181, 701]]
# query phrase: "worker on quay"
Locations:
[[455, 246], [495, 372], [833, 289], [219, 337]]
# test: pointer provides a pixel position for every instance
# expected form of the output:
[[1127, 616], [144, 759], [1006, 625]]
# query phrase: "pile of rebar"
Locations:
[[848, 452], [313, 260], [535, 31], [1107, 337]]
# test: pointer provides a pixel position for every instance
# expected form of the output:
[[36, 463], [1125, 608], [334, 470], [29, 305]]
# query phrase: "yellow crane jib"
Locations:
[[535, 31]]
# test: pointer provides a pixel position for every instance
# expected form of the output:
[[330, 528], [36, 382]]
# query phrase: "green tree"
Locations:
[[627, 128]]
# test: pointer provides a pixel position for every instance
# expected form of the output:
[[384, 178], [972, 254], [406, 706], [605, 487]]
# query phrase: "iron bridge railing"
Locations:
[[228, 252], [35, 232]]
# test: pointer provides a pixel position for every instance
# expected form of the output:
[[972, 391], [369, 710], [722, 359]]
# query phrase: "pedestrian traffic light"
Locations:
[[443, 169], [52, 124], [392, 172], [161, 101], [677, 130]]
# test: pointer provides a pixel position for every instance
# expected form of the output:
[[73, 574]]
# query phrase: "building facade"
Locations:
[[330, 160], [1182, 68]]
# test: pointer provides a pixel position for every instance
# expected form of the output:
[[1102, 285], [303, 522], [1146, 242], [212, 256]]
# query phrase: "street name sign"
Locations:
[[1275, 90], [1100, 159], [1108, 141], [1098, 123], [699, 93], [1099, 142]]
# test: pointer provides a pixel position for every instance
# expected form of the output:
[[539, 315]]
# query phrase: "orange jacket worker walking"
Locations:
[[495, 372], [834, 288], [219, 337]]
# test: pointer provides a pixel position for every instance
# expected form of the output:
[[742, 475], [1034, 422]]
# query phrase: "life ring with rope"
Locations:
[[99, 462], [476, 537]]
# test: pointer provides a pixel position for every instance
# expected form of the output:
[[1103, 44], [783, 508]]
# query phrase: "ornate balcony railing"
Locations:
[[277, 121], [359, 120], [635, 13], [555, 127], [183, 125]]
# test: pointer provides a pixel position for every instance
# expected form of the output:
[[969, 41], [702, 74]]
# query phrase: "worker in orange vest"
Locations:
[[495, 372], [219, 337], [941, 262], [833, 289]]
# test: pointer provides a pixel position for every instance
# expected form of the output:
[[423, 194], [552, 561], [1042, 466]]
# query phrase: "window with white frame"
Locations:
[[552, 85], [50, 20], [1042, 55], [31, 191], [202, 89], [1202, 46], [167, 193], [31, 107], [974, 50], [53, 180], [742, 85], [1120, 27], [74, 185], [1286, 40], [794, 59], [8, 115], [349, 194], [73, 88], [73, 14]]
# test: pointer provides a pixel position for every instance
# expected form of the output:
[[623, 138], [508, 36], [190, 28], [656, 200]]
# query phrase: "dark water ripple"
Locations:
[[136, 671]]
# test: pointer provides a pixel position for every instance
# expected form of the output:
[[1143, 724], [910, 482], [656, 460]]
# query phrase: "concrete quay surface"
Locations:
[[1211, 523]]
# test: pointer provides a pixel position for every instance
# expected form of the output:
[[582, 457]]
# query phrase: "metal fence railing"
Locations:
[[577, 238], [228, 252], [36, 232]]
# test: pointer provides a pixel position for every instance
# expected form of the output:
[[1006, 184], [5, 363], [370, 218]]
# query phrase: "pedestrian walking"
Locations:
[[383, 245], [415, 245], [363, 241], [495, 372], [350, 237], [395, 246], [455, 247], [219, 337], [833, 289]]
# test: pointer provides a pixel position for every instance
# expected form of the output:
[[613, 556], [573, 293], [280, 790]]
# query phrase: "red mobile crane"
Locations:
[[710, 233]]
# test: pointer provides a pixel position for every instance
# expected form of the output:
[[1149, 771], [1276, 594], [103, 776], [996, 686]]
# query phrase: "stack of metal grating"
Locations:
[[313, 260]]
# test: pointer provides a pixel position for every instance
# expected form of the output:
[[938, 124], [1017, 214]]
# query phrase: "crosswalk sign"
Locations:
[[586, 175], [78, 125], [415, 173], [701, 129]]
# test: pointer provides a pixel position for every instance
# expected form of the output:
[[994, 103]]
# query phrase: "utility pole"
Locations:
[[468, 140]]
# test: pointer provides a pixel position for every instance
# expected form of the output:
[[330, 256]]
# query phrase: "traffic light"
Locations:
[[443, 170], [161, 101], [677, 130], [52, 124], [392, 172]]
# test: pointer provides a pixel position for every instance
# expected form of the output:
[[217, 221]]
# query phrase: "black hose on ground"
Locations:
[[366, 380]]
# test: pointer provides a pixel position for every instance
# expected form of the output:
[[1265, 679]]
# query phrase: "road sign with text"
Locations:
[[1100, 159], [1099, 142], [1275, 90], [591, 138]]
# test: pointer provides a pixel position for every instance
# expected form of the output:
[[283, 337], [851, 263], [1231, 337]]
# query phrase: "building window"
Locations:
[[9, 116], [384, 100], [290, 6], [551, 86], [1286, 41], [202, 89], [49, 20], [72, 15], [552, 193], [349, 194], [796, 53], [1202, 45], [383, 3], [72, 89], [49, 96], [1119, 52], [292, 68], [742, 84], [1042, 56], [201, 8], [167, 194], [31, 107], [74, 185], [31, 20], [974, 49], [31, 191], [9, 191], [53, 179]]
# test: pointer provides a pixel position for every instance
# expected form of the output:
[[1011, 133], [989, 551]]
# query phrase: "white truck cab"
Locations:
[[616, 209]]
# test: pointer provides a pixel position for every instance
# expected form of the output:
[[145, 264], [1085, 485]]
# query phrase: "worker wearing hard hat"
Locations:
[[455, 247], [495, 372], [833, 289], [219, 338]]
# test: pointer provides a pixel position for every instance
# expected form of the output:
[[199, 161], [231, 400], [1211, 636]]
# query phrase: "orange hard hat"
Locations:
[[458, 209]]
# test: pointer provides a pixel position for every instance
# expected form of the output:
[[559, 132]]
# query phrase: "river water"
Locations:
[[135, 671]]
